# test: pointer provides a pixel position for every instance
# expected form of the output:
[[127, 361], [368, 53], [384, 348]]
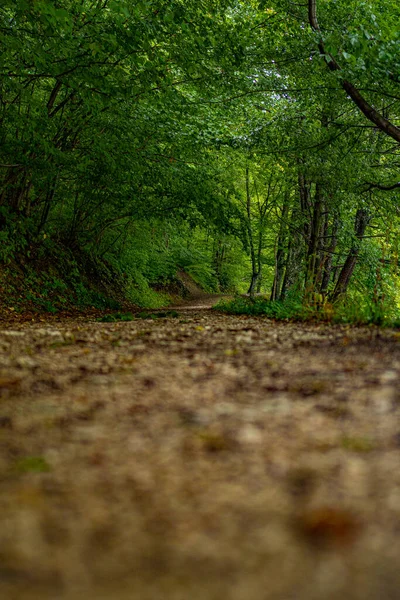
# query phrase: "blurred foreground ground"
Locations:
[[204, 457]]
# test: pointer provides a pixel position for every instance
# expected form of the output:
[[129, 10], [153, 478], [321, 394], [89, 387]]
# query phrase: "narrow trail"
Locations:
[[198, 303], [204, 457]]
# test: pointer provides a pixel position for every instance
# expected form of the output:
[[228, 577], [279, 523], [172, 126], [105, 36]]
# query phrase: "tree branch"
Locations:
[[53, 95], [379, 186], [369, 111]]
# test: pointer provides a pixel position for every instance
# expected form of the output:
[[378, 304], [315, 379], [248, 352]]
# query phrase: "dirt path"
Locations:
[[205, 457], [199, 303]]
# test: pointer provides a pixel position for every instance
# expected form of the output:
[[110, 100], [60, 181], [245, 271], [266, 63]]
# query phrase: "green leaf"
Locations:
[[32, 464]]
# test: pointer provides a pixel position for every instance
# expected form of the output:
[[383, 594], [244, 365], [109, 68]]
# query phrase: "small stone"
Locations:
[[25, 362], [250, 435], [13, 333], [389, 377], [192, 417], [225, 409]]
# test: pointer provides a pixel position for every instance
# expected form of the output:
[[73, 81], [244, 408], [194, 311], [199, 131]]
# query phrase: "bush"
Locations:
[[242, 305], [346, 311]]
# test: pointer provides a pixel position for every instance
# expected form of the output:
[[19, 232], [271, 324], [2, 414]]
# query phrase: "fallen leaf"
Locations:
[[329, 526]]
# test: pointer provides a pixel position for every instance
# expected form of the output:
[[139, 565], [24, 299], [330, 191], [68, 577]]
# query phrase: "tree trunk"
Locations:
[[253, 285], [328, 262], [295, 253], [361, 222], [47, 205], [218, 259], [280, 253], [255, 273], [305, 205], [313, 244]]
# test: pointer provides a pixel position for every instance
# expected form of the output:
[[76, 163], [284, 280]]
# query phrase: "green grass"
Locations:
[[260, 306]]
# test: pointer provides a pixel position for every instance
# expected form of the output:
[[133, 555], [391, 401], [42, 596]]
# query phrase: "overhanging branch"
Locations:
[[379, 186], [369, 111]]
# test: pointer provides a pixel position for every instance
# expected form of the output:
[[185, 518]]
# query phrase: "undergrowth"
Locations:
[[51, 283], [53, 278], [293, 309]]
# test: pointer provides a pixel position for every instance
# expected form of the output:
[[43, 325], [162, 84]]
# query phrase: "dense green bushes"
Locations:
[[354, 309]]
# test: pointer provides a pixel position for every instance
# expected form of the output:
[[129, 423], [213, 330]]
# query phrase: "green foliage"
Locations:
[[127, 130], [32, 464], [351, 311], [143, 295], [14, 236], [195, 262], [111, 318], [88, 297], [360, 309], [260, 306], [52, 283]]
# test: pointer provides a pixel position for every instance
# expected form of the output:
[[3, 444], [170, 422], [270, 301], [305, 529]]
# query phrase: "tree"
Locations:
[[229, 119]]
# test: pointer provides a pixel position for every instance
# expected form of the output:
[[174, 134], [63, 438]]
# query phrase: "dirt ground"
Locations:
[[203, 457]]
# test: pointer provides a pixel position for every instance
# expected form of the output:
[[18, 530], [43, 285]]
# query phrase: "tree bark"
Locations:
[[313, 244], [305, 205], [361, 222], [295, 253], [255, 272], [329, 257], [280, 254]]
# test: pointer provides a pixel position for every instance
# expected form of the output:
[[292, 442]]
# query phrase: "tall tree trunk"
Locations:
[[218, 258], [255, 273], [47, 204], [15, 189], [361, 222], [280, 253], [295, 253], [305, 205], [314, 242], [328, 261]]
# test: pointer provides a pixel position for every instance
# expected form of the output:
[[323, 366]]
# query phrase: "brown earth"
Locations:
[[203, 457]]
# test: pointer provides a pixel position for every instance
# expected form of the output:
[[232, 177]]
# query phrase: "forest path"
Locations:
[[201, 302], [203, 457]]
